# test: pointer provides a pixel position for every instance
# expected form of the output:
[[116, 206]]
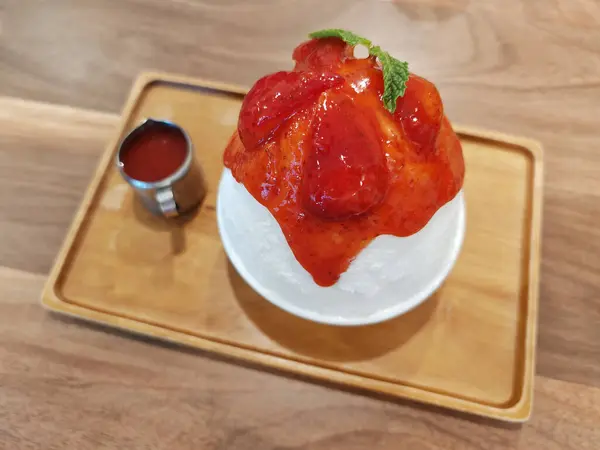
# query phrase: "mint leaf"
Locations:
[[395, 76], [346, 36], [395, 72]]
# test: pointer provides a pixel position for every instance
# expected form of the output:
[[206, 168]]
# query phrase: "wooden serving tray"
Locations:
[[470, 347]]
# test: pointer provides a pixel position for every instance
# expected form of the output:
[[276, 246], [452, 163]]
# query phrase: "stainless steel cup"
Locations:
[[176, 194]]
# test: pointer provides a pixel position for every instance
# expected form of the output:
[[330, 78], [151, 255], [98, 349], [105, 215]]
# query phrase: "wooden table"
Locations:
[[522, 67]]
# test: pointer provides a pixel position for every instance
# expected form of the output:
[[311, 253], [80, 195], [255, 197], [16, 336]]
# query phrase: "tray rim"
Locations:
[[519, 411]]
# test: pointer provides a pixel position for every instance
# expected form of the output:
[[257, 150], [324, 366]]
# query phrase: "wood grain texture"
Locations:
[[523, 67], [69, 385], [41, 185], [519, 66], [176, 282]]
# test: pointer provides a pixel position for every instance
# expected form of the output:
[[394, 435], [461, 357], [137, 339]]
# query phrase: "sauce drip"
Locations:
[[155, 153], [317, 147]]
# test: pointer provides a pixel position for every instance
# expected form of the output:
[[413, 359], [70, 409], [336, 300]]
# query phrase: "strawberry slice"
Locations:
[[319, 54], [345, 174], [275, 98], [420, 111]]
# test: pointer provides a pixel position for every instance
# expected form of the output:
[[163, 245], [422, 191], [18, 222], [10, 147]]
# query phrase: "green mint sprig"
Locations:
[[395, 72], [346, 36]]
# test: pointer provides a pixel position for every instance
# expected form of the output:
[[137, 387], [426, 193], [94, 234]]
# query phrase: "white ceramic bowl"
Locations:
[[389, 277]]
